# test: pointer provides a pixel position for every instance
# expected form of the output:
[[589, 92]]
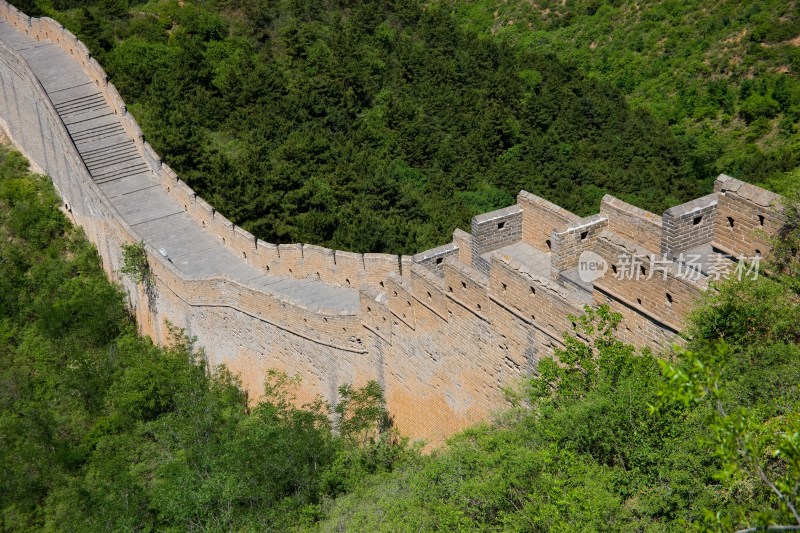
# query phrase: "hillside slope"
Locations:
[[724, 75]]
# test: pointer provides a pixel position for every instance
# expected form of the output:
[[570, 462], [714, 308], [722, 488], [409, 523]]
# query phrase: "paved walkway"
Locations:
[[526, 254], [123, 176]]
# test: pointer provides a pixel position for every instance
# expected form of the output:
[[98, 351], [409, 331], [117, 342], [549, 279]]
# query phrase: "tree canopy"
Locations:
[[372, 126]]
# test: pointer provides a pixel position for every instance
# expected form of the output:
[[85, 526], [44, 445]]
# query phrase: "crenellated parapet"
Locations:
[[443, 331]]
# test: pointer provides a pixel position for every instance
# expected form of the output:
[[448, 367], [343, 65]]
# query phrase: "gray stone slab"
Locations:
[[54, 67], [177, 235], [536, 260], [109, 157], [279, 282], [124, 186], [18, 40], [68, 94], [117, 168], [571, 279], [92, 141], [144, 206], [91, 120], [216, 262], [110, 145], [702, 256]]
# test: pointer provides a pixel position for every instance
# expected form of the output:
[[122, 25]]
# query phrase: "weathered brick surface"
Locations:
[[443, 332], [494, 230], [632, 223], [319, 263], [243, 243], [349, 268], [463, 242], [746, 215], [569, 243], [265, 256], [539, 300], [540, 219], [433, 259], [466, 286], [688, 225], [377, 268], [290, 261], [400, 303], [641, 280]]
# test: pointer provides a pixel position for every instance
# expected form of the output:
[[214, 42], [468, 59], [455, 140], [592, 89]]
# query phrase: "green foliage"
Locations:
[[722, 74], [759, 106], [134, 262], [784, 258], [576, 369], [378, 126], [746, 443], [361, 413], [749, 381]]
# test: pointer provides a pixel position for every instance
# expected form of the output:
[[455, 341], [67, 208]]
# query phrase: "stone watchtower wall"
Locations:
[[443, 331]]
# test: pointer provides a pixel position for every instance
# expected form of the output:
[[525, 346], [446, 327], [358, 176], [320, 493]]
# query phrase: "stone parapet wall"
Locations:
[[569, 243], [632, 223], [433, 259], [746, 216], [688, 225], [494, 230], [645, 282], [540, 219], [443, 331]]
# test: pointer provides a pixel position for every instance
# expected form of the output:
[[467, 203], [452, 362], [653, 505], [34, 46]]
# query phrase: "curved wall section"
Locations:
[[250, 326], [443, 332]]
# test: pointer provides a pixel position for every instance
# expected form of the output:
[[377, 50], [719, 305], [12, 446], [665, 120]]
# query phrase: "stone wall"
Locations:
[[688, 225], [443, 331], [578, 237], [746, 216], [433, 259], [494, 230], [540, 219], [632, 223]]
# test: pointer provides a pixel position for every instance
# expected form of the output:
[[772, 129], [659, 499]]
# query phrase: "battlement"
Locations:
[[443, 331]]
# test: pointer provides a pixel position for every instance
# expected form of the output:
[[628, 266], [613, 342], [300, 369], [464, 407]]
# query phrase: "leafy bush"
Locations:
[[134, 262], [758, 106]]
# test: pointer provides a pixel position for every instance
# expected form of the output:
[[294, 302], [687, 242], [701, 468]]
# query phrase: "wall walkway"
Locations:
[[443, 331]]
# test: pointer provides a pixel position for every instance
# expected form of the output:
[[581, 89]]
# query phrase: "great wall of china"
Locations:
[[443, 331]]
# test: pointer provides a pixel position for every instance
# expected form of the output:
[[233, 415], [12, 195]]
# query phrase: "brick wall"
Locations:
[[688, 225], [579, 236], [444, 331], [433, 259], [632, 223], [494, 230], [746, 215], [641, 280], [463, 242], [540, 219]]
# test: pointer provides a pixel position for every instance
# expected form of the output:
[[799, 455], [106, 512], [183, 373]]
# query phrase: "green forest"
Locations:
[[381, 126]]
